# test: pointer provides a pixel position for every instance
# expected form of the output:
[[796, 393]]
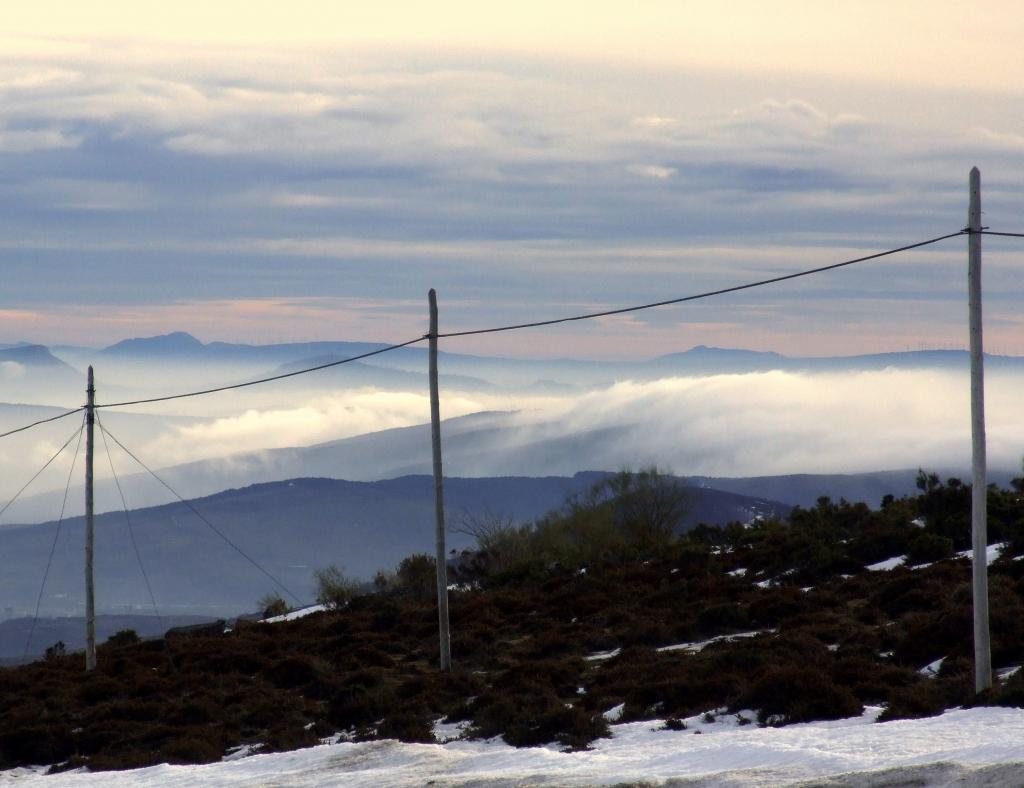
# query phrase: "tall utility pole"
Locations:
[[90, 595], [979, 485], [435, 439]]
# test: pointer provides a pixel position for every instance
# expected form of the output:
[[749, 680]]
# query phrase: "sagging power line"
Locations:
[[42, 421], [974, 231], [519, 326], [56, 535], [128, 519], [199, 514], [708, 294]]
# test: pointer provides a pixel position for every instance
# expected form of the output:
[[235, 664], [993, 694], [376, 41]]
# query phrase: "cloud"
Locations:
[[320, 418], [11, 370], [777, 423], [652, 171], [376, 175], [39, 139]]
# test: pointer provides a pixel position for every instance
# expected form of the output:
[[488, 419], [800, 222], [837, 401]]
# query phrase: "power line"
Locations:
[[128, 519], [262, 380], [1005, 235], [7, 505], [749, 285], [56, 537], [517, 326], [41, 421], [198, 514]]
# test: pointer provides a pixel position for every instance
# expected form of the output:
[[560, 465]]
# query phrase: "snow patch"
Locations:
[[888, 564], [992, 552], [700, 645], [302, 612], [931, 670]]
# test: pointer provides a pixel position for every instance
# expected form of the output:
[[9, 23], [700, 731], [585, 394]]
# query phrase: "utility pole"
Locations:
[[90, 593], [979, 485], [435, 439]]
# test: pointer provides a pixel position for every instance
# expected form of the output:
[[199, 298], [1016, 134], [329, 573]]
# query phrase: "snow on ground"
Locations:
[[700, 645], [887, 564], [967, 747], [302, 612], [931, 670], [991, 552]]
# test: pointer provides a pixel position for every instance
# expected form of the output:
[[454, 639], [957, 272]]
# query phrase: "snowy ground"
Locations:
[[972, 747]]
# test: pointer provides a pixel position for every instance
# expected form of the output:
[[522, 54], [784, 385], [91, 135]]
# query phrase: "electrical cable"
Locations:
[[1005, 235], [41, 421], [262, 380], [708, 294], [198, 514], [128, 519], [47, 465], [517, 326], [53, 545]]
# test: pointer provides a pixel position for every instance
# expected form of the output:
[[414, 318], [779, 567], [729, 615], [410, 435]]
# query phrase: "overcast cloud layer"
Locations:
[[257, 194]]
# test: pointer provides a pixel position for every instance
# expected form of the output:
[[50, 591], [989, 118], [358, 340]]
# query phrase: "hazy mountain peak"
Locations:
[[700, 350], [175, 342], [31, 355]]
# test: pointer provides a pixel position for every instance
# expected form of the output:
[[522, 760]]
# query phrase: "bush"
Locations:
[[333, 589], [273, 604], [921, 699], [537, 718], [799, 694], [124, 637], [416, 576], [927, 548], [412, 725]]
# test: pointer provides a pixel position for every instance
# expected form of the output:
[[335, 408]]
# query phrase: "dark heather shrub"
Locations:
[[798, 694], [922, 699], [191, 749], [926, 548], [412, 725], [124, 637]]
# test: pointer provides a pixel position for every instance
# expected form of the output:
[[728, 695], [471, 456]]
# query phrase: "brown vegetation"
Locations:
[[522, 637]]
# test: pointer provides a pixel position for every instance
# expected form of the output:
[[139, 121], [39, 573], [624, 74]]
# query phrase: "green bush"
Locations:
[[124, 637], [416, 576], [333, 589], [273, 604], [925, 548]]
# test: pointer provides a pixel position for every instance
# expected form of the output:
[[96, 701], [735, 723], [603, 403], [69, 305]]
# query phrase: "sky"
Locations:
[[264, 172]]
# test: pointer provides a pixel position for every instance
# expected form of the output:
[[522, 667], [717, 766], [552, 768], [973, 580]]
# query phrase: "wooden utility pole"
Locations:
[[979, 488], [435, 439], [90, 595]]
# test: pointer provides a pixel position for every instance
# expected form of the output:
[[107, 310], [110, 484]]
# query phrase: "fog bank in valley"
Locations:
[[753, 424]]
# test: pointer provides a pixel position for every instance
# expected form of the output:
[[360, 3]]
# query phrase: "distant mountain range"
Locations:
[[481, 372], [290, 527]]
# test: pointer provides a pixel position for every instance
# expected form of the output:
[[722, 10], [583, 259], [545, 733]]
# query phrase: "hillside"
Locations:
[[839, 608], [290, 527]]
